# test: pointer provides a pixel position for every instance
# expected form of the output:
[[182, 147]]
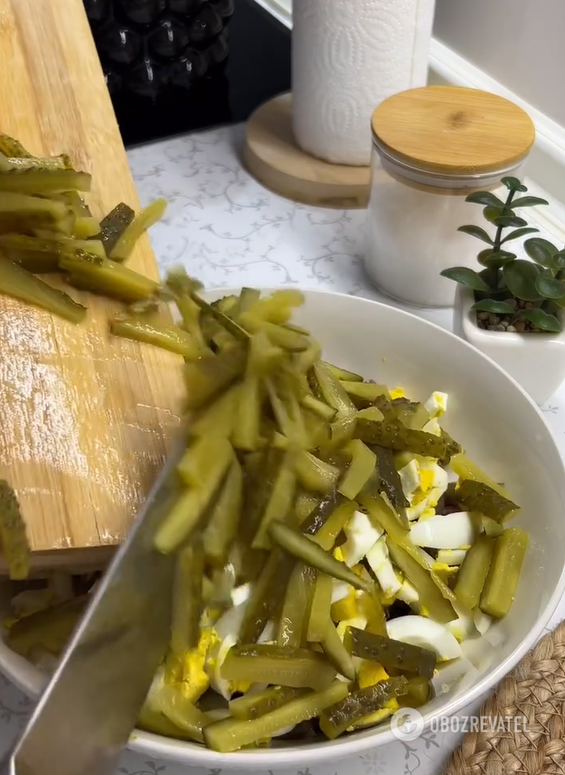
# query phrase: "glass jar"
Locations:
[[431, 148]]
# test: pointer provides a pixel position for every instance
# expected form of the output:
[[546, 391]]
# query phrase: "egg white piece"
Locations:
[[480, 653], [284, 731], [360, 622], [340, 590], [382, 567], [361, 535], [495, 636], [408, 593], [227, 629], [415, 512], [451, 556], [438, 476], [448, 531], [482, 621], [436, 405], [214, 666], [230, 622], [433, 427], [424, 632], [462, 628], [410, 478], [434, 481], [240, 594], [268, 633]]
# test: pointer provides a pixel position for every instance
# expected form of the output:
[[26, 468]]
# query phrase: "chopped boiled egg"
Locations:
[[407, 593], [283, 731], [423, 632], [436, 405], [482, 621], [214, 670], [371, 610], [463, 627], [390, 707], [397, 392], [433, 427], [240, 594], [410, 478], [195, 679], [383, 568], [230, 622], [360, 622], [345, 608], [370, 673], [340, 589], [449, 531], [433, 484], [226, 632], [268, 634], [433, 479], [361, 535], [444, 571], [495, 636], [451, 556]]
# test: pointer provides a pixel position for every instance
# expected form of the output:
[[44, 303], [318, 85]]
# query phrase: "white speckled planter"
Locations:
[[536, 361]]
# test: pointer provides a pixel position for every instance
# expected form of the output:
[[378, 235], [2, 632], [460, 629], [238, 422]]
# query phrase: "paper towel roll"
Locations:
[[348, 56]]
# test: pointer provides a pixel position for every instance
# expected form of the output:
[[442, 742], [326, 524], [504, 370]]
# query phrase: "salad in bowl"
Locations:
[[336, 547]]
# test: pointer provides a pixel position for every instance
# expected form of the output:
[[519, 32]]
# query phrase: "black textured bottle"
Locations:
[[151, 47]]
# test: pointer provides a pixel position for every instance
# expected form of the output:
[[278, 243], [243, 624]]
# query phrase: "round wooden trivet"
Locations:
[[273, 157], [536, 690]]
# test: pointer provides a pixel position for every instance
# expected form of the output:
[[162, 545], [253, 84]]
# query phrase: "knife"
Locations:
[[90, 706]]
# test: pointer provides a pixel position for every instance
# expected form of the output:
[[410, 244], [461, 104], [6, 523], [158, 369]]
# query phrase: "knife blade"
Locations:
[[90, 706]]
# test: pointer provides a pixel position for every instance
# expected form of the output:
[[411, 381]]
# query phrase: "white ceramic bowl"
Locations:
[[500, 428]]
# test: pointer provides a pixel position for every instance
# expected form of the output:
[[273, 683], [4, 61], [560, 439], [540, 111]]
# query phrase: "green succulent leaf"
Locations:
[[484, 198], [491, 213], [484, 255], [529, 201], [494, 259], [465, 276], [558, 260], [496, 307], [540, 250], [520, 279], [509, 220], [548, 287], [517, 233], [513, 184], [476, 231], [542, 320]]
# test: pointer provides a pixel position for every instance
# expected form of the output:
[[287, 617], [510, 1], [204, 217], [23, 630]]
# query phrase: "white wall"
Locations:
[[520, 43]]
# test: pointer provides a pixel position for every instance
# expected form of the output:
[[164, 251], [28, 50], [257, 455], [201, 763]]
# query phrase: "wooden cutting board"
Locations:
[[85, 419]]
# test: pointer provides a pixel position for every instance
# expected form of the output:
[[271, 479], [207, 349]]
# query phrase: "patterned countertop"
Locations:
[[229, 231]]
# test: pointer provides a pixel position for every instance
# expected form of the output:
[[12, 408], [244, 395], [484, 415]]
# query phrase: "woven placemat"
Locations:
[[534, 690]]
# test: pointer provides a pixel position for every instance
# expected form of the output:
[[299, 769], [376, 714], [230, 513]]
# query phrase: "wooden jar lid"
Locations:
[[453, 130]]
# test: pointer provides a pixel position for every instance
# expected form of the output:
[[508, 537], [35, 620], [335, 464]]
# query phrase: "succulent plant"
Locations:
[[539, 282]]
